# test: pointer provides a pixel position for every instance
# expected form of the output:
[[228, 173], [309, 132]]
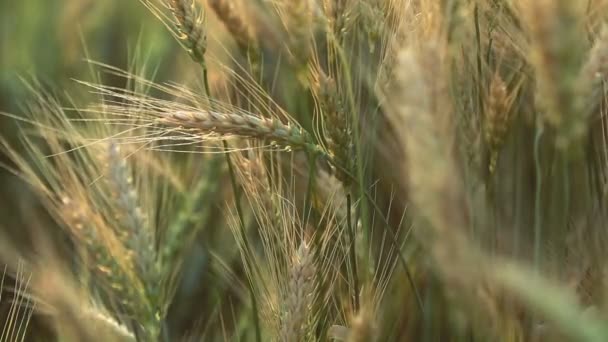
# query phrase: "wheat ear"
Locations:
[[244, 125], [190, 24], [299, 296]]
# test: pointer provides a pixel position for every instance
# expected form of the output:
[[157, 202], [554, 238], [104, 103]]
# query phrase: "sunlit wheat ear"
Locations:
[[297, 301], [557, 55]]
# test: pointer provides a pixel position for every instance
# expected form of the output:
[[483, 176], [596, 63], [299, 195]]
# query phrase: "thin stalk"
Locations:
[[239, 210], [353, 252], [538, 197]]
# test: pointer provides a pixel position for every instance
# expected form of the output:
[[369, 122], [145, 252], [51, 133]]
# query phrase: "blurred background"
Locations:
[[50, 41]]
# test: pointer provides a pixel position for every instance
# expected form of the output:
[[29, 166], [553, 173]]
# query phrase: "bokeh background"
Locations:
[[50, 41]]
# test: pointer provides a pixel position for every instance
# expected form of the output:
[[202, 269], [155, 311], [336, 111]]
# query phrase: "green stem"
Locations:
[[353, 251]]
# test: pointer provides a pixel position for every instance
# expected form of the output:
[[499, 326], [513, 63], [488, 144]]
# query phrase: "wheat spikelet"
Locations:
[[299, 296], [110, 263], [497, 120], [190, 24]]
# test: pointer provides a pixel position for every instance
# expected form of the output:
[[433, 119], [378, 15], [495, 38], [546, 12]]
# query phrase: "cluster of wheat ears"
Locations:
[[384, 170]]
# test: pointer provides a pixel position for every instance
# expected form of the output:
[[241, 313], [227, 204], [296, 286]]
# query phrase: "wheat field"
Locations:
[[306, 170]]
